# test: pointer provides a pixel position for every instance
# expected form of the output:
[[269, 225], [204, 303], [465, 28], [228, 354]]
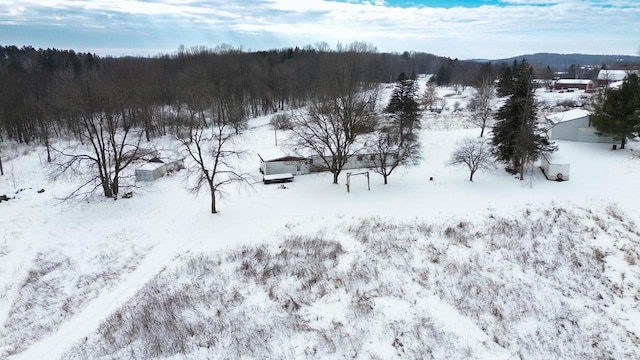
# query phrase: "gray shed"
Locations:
[[157, 168], [150, 171]]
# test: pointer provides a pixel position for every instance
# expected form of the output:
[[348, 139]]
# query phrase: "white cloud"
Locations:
[[594, 26]]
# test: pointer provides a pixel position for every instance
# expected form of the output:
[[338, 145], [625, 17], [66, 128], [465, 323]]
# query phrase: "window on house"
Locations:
[[360, 157], [373, 157]]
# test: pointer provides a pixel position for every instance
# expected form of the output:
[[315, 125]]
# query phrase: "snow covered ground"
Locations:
[[497, 268]]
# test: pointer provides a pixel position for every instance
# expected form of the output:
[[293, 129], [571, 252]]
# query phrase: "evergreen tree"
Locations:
[[617, 112], [517, 138], [443, 77], [505, 82], [403, 107]]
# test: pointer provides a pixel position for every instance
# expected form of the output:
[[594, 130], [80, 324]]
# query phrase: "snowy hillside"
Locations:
[[497, 268]]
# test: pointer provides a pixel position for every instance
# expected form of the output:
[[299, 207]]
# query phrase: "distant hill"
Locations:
[[558, 61]]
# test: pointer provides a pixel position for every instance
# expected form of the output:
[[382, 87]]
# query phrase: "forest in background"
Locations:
[[43, 92]]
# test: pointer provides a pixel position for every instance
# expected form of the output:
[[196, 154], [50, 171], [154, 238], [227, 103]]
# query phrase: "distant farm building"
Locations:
[[606, 77], [305, 165], [157, 168], [574, 125], [579, 84]]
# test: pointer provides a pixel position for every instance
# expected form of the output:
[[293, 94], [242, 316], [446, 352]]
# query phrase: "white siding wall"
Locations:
[[552, 170], [577, 130], [589, 135], [298, 167], [568, 130]]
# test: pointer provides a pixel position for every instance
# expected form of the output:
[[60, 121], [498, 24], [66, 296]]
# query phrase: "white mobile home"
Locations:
[[356, 161], [574, 125], [304, 165], [285, 165]]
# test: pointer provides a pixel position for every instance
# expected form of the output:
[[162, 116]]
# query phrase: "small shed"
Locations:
[[157, 168], [555, 167], [150, 171]]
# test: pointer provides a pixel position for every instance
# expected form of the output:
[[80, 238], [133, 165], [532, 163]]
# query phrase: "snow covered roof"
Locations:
[[150, 166], [567, 116], [614, 75], [615, 84], [574, 81], [556, 158], [287, 158]]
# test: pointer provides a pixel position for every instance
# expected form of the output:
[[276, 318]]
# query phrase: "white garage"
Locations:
[[574, 125]]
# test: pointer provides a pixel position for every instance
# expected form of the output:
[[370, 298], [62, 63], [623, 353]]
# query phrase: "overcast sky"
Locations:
[[458, 29]]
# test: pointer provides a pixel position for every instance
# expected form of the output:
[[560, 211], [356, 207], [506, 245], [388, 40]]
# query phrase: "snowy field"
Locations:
[[491, 269]]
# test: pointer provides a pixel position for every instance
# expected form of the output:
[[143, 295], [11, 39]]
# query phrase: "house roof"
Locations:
[[287, 158], [567, 116]]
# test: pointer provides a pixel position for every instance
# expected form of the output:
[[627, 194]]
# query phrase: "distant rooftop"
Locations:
[[614, 75], [574, 81]]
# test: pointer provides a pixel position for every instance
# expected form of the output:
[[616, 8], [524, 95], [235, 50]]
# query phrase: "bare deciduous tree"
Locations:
[[482, 103], [389, 152], [211, 156], [331, 127], [475, 154], [429, 97], [342, 110], [105, 126]]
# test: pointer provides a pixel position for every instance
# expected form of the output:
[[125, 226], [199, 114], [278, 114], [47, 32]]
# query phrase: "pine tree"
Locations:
[[505, 82], [517, 138], [404, 108], [617, 112]]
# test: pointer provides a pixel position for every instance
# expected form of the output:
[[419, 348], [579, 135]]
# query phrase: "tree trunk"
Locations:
[[623, 142], [471, 176], [335, 177], [1, 169], [48, 146], [115, 185], [106, 188], [213, 198], [481, 131], [385, 176]]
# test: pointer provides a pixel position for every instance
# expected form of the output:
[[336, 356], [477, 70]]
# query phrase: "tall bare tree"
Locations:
[[482, 104], [212, 155], [113, 140], [341, 112], [390, 152]]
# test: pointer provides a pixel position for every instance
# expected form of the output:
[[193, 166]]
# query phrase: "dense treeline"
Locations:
[[46, 93]]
